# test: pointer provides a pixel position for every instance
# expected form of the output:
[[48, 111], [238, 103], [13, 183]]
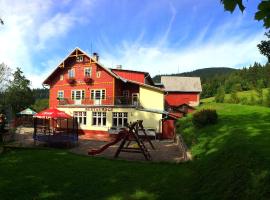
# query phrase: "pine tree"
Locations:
[[19, 95], [234, 96], [259, 91], [220, 96], [267, 98]]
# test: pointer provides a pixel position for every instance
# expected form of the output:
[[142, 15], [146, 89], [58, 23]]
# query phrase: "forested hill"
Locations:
[[202, 73]]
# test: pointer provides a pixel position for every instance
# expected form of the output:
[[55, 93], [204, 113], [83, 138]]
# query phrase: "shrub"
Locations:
[[205, 117]]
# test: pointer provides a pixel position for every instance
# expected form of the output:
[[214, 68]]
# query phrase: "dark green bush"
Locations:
[[204, 117]]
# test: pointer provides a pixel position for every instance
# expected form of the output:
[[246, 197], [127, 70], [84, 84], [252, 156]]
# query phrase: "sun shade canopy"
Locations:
[[27, 111], [52, 113]]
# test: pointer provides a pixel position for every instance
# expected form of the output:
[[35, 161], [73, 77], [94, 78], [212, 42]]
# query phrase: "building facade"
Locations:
[[181, 90], [102, 99]]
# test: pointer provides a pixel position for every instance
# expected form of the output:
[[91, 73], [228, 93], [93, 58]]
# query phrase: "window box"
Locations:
[[88, 79], [71, 80]]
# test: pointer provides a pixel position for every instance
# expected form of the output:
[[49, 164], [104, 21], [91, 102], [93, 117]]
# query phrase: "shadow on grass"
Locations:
[[231, 162], [232, 157]]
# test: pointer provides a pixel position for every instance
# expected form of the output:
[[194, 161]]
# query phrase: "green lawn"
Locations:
[[232, 161], [243, 94]]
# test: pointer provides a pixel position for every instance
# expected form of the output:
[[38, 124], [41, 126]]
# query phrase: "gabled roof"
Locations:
[[61, 65], [143, 85], [146, 74], [181, 84]]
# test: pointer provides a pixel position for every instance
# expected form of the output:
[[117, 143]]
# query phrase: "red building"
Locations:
[[181, 90], [104, 100]]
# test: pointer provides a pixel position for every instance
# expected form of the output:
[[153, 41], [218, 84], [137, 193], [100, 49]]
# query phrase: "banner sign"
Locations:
[[104, 109]]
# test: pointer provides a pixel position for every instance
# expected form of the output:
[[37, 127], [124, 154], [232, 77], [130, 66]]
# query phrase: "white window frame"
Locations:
[[81, 117], [74, 94], [59, 94], [99, 118], [71, 71], [125, 93], [133, 99], [102, 92], [121, 119], [79, 59], [90, 71]]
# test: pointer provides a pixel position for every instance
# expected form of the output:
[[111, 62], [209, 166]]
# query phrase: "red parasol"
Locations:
[[52, 113]]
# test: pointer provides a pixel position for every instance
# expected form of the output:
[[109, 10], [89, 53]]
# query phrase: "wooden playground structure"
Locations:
[[131, 141]]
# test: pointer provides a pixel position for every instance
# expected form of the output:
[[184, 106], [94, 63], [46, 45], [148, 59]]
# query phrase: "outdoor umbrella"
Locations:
[[27, 111], [52, 113]]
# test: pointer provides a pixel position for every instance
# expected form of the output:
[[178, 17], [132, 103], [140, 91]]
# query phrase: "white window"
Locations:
[[71, 73], [99, 118], [87, 72], [120, 119], [80, 117], [98, 74], [77, 94], [60, 94], [98, 94], [125, 93], [61, 77], [79, 58]]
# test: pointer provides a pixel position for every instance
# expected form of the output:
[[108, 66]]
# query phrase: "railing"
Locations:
[[118, 101]]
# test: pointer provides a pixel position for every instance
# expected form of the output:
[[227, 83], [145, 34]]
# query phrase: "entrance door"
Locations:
[[168, 129]]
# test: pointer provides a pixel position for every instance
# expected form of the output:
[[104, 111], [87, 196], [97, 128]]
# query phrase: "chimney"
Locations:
[[95, 56], [118, 66]]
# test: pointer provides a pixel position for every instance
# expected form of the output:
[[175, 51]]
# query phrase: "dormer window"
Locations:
[[71, 73], [79, 58]]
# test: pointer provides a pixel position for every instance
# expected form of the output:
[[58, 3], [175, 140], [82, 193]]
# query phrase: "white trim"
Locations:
[[62, 92], [72, 69]]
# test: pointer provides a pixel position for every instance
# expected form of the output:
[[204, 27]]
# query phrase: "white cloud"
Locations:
[[220, 51], [29, 27]]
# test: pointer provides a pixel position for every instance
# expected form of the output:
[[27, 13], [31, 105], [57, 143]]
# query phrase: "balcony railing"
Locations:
[[108, 101]]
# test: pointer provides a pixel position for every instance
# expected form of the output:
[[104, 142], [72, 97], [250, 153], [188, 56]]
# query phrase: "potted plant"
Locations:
[[71, 80], [88, 79]]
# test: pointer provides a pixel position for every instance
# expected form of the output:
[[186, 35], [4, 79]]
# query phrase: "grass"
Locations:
[[231, 161], [243, 94], [233, 156]]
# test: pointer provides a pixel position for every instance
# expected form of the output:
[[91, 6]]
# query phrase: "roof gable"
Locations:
[[77, 52]]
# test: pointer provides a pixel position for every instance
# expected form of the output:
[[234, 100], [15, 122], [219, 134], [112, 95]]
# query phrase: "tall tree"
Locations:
[[264, 46], [220, 96], [19, 95], [262, 13], [259, 91], [5, 73]]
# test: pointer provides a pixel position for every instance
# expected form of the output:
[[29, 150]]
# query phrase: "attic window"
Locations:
[[71, 73], [79, 58], [61, 77], [98, 74]]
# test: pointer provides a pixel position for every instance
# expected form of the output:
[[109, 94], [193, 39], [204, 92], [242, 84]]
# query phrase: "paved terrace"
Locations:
[[166, 150]]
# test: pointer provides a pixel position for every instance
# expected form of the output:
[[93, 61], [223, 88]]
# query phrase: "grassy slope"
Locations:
[[245, 94], [231, 162], [233, 156]]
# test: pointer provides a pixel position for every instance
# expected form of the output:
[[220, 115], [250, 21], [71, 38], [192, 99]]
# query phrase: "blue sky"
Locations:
[[158, 36]]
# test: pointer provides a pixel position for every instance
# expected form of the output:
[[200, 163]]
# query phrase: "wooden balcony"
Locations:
[[120, 101]]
